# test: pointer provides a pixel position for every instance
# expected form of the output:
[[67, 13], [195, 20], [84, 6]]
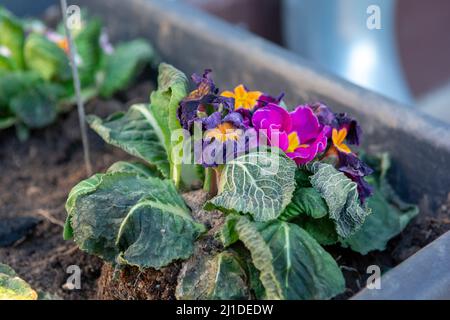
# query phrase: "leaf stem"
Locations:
[[212, 179]]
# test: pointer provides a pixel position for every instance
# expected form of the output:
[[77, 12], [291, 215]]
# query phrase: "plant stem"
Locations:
[[208, 177], [212, 179], [76, 83]]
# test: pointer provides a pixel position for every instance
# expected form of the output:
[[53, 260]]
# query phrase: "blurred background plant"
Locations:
[[35, 76]]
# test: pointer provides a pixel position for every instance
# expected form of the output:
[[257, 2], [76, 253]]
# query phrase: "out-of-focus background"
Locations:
[[406, 59]]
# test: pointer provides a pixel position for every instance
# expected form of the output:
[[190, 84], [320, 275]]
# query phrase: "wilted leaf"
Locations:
[[14, 288], [83, 187], [259, 183], [126, 218], [123, 65], [46, 58], [292, 264], [172, 88], [135, 133], [218, 277], [341, 196]]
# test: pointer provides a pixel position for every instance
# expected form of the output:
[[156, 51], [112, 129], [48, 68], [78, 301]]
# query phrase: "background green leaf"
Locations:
[[122, 66], [12, 36], [5, 65], [259, 183], [36, 107], [88, 48], [46, 58], [12, 84]]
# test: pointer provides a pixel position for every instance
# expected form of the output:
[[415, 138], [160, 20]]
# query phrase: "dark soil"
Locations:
[[36, 177], [421, 231]]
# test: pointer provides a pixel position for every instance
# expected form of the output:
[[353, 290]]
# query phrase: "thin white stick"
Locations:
[[76, 83]]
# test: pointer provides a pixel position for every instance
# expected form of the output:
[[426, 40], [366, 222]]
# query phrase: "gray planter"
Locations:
[[193, 41]]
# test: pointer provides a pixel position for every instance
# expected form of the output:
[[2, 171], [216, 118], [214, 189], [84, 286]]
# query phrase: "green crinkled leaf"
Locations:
[[306, 201], [220, 277], [262, 257], [36, 107], [259, 183], [46, 58], [341, 196], [12, 37], [123, 65], [129, 219], [135, 133], [172, 88], [14, 288], [291, 263], [390, 215], [134, 167]]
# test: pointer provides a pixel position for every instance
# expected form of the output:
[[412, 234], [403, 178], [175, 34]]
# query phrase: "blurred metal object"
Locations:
[[335, 35], [424, 276]]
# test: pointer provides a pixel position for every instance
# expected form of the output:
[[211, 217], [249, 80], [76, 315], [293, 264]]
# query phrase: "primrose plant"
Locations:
[[35, 76], [286, 184]]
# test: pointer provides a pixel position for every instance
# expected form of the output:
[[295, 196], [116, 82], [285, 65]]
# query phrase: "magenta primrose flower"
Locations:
[[298, 133]]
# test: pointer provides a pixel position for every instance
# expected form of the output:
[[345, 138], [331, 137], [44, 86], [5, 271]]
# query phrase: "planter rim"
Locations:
[[413, 279]]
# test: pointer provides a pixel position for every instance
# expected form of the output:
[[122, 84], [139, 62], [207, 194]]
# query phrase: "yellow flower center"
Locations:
[[223, 132], [243, 98], [294, 143], [338, 138]]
